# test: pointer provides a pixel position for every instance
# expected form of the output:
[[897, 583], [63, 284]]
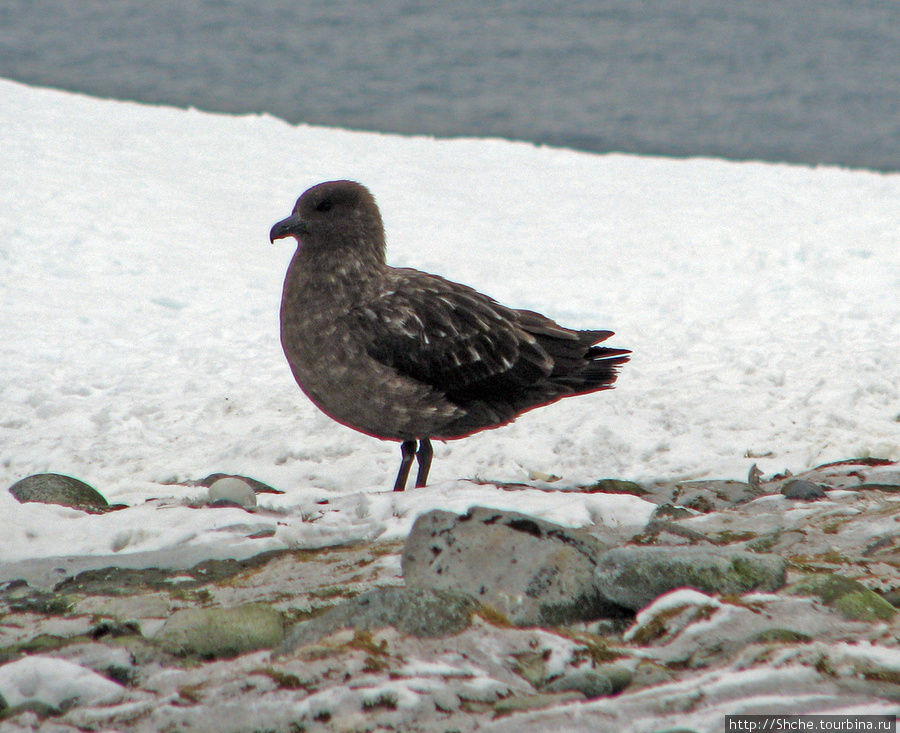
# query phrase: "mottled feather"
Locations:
[[404, 355]]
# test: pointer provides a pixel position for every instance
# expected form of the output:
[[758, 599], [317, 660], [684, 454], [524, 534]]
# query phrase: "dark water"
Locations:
[[782, 80]]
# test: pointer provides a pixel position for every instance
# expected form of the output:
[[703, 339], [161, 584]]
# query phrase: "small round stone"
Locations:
[[803, 490], [232, 490]]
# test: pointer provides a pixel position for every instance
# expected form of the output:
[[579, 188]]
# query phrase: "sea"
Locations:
[[795, 81]]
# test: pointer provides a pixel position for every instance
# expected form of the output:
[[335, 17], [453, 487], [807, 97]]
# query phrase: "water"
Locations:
[[779, 80]]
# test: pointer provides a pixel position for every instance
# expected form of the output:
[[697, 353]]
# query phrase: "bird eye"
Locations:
[[324, 205]]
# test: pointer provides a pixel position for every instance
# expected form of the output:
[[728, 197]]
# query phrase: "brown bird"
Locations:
[[403, 355]]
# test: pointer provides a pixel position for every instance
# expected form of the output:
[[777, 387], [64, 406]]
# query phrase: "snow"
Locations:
[[139, 331], [55, 682]]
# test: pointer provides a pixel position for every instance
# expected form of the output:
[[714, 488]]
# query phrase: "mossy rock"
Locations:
[[634, 576], [221, 633], [54, 488], [616, 486], [850, 597], [781, 636]]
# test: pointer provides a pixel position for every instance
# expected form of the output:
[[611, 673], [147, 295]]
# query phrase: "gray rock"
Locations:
[[803, 490], [54, 488], [258, 486], [602, 681], [233, 490], [707, 496], [634, 576], [422, 613], [216, 633], [531, 571], [616, 486], [670, 511], [539, 701]]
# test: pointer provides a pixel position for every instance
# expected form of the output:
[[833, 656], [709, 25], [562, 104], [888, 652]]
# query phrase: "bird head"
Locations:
[[333, 216]]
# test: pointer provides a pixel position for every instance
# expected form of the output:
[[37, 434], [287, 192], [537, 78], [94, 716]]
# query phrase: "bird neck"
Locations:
[[340, 275]]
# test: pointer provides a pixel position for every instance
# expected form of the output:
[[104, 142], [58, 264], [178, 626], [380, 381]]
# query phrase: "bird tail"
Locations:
[[600, 372]]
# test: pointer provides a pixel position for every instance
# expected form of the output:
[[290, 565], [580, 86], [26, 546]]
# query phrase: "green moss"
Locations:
[[493, 616], [334, 591], [782, 636], [765, 543], [865, 605], [657, 627], [883, 675], [850, 597], [616, 486], [384, 701], [284, 680], [727, 537], [38, 645]]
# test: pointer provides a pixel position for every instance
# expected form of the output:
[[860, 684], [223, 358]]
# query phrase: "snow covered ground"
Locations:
[[139, 304]]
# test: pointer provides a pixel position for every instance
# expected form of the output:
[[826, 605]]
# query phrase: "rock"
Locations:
[[258, 486], [633, 576], [616, 486], [602, 681], [232, 490], [677, 534], [670, 512], [54, 488], [708, 496], [55, 683], [524, 703], [531, 571], [423, 613], [217, 633], [850, 597], [803, 490], [782, 636]]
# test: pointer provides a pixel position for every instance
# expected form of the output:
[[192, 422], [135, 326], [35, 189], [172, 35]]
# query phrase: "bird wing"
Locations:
[[452, 337]]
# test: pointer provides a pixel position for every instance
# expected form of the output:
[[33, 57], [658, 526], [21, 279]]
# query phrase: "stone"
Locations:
[[538, 701], [707, 496], [847, 596], [634, 576], [530, 571], [616, 486], [54, 488], [232, 490], [258, 486], [423, 613], [602, 681], [221, 633], [803, 490]]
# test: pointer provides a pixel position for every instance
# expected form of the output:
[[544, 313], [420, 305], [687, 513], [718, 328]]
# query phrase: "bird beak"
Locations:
[[293, 226]]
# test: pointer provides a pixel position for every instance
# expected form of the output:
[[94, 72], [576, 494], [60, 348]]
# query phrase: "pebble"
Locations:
[[232, 491], [802, 490]]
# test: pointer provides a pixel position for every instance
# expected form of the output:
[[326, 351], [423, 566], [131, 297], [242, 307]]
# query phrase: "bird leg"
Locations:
[[424, 458], [407, 451]]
